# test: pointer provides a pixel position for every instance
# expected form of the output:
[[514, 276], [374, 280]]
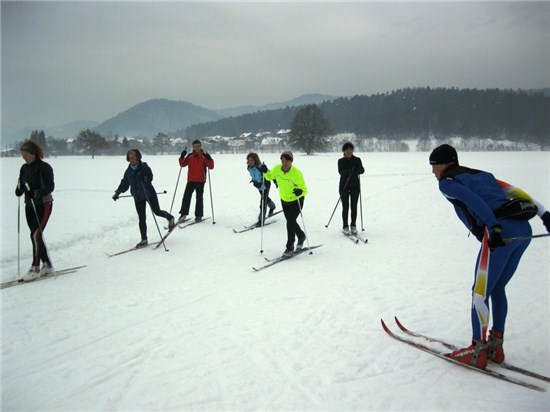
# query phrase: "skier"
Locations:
[[349, 167], [138, 178], [36, 182], [493, 211], [263, 186], [292, 190], [198, 160]]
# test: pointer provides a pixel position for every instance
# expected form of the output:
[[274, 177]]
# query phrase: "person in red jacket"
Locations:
[[197, 161]]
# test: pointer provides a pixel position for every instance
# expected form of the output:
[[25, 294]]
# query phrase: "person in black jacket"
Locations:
[[37, 184], [138, 177], [349, 167]]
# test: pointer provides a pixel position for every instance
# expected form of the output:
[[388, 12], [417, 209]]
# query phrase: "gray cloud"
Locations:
[[64, 61]]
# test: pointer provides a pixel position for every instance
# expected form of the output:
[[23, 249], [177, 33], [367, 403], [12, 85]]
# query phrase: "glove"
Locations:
[[183, 154], [207, 156], [546, 220], [297, 191], [495, 237], [264, 169], [115, 196]]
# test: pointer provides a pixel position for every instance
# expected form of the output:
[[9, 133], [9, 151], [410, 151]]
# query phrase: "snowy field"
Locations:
[[197, 329]]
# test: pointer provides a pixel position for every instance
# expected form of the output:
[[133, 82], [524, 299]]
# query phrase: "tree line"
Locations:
[[414, 113]]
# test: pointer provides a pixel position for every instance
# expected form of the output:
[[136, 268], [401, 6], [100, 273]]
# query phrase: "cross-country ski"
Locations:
[[256, 225], [57, 273], [442, 355], [132, 249], [192, 222], [452, 347], [279, 259]]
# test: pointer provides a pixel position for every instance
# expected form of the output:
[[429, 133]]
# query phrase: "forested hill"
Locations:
[[156, 115], [414, 113]]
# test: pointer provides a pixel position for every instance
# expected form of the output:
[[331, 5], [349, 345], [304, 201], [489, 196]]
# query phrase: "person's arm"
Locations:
[[454, 190]]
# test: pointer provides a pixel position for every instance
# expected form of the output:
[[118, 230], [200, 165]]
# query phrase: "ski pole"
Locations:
[[154, 217], [262, 211], [158, 193], [37, 219], [304, 224], [19, 238], [211, 200], [175, 190], [339, 199], [361, 204], [177, 182], [510, 239]]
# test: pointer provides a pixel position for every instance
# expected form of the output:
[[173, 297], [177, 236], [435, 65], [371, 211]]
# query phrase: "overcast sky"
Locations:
[[66, 61]]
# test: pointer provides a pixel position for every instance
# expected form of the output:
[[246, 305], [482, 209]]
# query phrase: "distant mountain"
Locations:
[[62, 131], [70, 129], [156, 115], [298, 101]]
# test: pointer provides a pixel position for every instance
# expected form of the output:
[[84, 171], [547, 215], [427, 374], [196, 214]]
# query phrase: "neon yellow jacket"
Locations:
[[287, 182]]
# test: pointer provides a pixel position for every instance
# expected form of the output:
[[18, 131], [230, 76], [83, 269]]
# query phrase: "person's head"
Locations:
[[286, 159], [252, 159], [30, 150], [441, 158], [197, 146], [133, 156], [347, 149]]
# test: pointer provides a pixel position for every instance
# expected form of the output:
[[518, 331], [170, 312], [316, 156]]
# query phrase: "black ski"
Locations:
[[442, 355], [60, 272], [452, 347], [178, 225], [351, 237], [194, 222], [271, 262], [355, 238], [179, 222], [128, 250], [253, 226]]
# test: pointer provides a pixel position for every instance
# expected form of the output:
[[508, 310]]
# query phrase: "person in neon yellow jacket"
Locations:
[[292, 191]]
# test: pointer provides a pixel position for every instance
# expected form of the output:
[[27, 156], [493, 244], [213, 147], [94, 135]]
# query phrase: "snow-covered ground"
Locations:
[[196, 328]]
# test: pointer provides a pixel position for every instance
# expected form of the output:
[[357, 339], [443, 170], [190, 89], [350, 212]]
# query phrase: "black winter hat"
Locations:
[[443, 154]]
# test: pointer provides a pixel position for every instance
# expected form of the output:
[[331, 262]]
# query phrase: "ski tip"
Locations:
[[399, 323], [384, 325]]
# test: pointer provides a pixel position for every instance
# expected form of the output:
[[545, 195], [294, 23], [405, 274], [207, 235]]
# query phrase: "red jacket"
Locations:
[[197, 167]]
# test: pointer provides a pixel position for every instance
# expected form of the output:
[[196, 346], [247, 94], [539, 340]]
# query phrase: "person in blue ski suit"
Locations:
[[493, 211], [253, 166], [138, 177]]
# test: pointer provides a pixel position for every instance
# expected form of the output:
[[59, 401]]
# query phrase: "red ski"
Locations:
[[452, 347], [488, 372]]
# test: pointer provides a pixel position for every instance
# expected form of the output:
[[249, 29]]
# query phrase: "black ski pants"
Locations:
[[141, 208], [291, 211], [37, 223], [349, 196], [191, 187]]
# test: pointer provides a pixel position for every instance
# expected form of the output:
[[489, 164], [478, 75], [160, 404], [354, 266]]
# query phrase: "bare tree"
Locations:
[[310, 129]]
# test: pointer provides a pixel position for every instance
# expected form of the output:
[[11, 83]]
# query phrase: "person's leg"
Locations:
[[344, 197], [140, 209], [199, 200], [186, 200]]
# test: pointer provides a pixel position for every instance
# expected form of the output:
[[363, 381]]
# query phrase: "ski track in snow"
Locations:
[[197, 329]]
